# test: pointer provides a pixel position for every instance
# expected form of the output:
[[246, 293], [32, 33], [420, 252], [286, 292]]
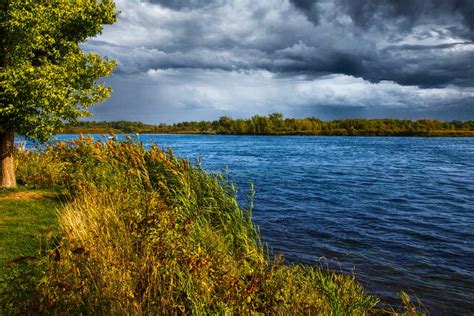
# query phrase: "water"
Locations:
[[397, 211]]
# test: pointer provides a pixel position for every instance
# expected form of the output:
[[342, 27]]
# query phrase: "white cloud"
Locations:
[[171, 95]]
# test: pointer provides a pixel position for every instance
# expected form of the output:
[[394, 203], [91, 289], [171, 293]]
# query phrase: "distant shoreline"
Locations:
[[455, 135], [276, 125]]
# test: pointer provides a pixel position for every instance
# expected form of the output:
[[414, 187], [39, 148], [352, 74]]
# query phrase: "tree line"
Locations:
[[276, 124]]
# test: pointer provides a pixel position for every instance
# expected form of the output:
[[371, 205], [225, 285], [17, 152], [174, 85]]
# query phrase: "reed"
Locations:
[[144, 232]]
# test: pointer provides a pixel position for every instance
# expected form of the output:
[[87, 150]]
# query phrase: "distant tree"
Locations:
[[261, 124], [45, 77], [240, 126], [225, 124], [277, 121]]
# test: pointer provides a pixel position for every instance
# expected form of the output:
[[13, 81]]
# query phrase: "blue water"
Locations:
[[398, 212]]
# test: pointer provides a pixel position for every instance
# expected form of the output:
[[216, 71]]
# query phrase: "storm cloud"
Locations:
[[341, 58]]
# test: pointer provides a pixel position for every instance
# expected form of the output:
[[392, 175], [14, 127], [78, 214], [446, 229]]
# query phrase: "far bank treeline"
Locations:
[[276, 124]]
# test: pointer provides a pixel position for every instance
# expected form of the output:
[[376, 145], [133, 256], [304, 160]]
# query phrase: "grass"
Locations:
[[143, 232], [25, 216]]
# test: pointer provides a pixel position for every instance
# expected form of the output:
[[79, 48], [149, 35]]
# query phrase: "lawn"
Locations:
[[25, 216]]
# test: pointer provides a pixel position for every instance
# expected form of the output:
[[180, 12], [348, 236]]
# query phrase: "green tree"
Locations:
[[225, 124], [277, 121], [45, 77]]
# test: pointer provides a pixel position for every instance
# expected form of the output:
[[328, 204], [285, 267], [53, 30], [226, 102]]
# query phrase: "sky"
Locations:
[[186, 60]]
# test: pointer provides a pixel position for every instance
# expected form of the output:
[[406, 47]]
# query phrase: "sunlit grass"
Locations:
[[25, 215]]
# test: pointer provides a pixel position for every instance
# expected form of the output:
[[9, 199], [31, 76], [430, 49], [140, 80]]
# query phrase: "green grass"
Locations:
[[24, 220], [28, 218]]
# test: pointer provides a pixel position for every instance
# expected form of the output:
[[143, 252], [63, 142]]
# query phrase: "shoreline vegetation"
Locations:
[[143, 232], [276, 125]]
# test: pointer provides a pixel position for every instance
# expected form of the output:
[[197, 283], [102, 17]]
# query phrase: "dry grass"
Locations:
[[27, 195]]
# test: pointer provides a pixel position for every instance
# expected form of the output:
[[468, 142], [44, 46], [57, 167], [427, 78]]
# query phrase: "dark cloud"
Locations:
[[424, 47], [425, 65], [464, 7], [391, 53], [365, 13], [400, 14], [308, 7], [181, 4]]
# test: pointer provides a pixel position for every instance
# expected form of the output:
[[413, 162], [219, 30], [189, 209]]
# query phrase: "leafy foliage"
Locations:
[[45, 77]]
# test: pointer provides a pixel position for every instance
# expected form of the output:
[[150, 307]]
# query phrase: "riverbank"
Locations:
[[107, 131], [145, 232], [276, 125]]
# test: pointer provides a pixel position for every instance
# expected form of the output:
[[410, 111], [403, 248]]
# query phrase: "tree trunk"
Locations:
[[7, 176], [7, 137]]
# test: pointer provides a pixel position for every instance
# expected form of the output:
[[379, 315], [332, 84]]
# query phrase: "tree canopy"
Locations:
[[45, 77]]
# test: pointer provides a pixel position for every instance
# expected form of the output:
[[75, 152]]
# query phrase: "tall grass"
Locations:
[[147, 233], [38, 168]]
